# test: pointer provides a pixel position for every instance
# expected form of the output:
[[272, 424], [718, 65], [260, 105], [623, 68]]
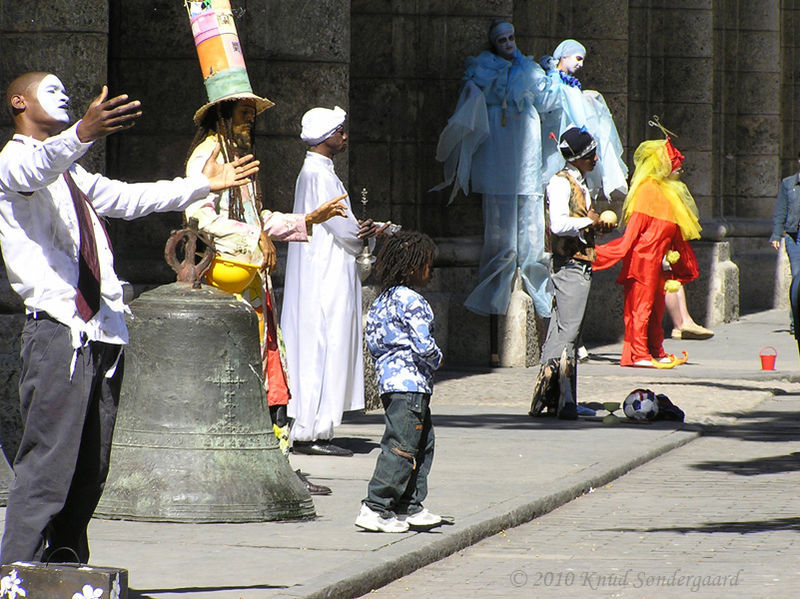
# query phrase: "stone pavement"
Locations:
[[495, 468], [719, 517]]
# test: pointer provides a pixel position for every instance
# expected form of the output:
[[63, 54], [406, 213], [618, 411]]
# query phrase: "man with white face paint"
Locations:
[[53, 98], [493, 141], [59, 260], [581, 108]]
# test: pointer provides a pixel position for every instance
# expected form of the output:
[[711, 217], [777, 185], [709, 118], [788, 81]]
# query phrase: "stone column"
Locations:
[[748, 138], [748, 66], [790, 85]]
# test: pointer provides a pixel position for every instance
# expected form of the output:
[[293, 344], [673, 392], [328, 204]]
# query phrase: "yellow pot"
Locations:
[[230, 275]]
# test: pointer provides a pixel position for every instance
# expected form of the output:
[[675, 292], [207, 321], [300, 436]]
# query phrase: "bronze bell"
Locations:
[[193, 440]]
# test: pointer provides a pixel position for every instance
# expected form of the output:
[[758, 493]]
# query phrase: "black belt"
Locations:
[[40, 315]]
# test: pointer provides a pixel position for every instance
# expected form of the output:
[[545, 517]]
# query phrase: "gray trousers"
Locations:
[[62, 462], [572, 280]]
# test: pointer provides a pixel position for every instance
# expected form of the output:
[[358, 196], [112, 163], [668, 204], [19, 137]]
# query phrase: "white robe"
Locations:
[[321, 316]]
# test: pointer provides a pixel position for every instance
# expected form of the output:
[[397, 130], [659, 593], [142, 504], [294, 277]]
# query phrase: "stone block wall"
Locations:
[[748, 106], [53, 36], [671, 75], [789, 22], [404, 81]]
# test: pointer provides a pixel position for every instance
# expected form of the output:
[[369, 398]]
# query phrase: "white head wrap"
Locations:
[[499, 29], [569, 48], [320, 123]]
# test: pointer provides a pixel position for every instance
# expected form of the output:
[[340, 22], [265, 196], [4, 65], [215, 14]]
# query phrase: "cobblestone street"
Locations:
[[717, 517]]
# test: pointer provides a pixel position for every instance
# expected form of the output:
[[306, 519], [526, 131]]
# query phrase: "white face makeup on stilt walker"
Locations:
[[53, 98], [503, 40], [571, 64]]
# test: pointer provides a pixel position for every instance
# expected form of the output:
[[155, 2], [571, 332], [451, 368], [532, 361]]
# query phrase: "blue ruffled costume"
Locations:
[[584, 109], [493, 140]]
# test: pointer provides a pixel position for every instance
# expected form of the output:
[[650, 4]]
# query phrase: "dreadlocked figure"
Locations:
[[242, 230], [399, 336]]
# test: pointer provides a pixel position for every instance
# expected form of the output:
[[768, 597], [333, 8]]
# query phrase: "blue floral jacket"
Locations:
[[399, 336]]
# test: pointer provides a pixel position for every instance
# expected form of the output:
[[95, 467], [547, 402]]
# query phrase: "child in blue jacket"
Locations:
[[399, 336]]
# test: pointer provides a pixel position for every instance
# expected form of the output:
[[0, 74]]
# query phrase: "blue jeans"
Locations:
[[399, 484]]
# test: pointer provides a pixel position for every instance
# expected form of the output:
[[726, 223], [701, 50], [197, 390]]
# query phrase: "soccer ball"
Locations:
[[641, 404]]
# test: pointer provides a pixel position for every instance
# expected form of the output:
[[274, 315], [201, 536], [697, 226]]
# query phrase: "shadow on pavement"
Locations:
[[751, 526], [192, 591], [754, 467], [501, 421], [760, 425]]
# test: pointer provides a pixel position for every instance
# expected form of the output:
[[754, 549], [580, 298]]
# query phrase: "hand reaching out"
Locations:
[[268, 251], [104, 117], [230, 174], [334, 207], [599, 225], [369, 228]]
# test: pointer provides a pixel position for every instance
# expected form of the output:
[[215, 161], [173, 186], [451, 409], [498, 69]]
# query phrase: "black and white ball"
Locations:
[[641, 404]]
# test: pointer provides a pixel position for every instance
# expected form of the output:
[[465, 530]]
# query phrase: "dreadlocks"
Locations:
[[402, 255], [219, 121]]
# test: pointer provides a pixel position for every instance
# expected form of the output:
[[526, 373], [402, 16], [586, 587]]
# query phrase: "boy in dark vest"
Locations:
[[572, 226]]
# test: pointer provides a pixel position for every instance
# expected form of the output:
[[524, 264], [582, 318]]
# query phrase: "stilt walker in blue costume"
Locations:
[[493, 141], [582, 108]]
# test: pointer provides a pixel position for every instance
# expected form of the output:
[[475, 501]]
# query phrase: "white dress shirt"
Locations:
[[558, 194], [39, 228]]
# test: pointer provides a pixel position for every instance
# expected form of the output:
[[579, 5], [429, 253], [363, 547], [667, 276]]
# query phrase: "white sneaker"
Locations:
[[374, 522], [423, 519], [583, 354]]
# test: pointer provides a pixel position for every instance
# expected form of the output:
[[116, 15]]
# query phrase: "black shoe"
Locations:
[[320, 447], [568, 412], [545, 390], [312, 488]]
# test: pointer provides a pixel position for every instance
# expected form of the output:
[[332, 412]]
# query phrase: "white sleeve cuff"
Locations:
[[71, 135]]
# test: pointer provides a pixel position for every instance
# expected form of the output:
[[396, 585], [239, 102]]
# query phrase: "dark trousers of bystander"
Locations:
[[399, 484], [62, 462]]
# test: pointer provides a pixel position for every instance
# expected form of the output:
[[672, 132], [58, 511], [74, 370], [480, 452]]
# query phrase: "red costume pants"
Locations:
[[643, 313]]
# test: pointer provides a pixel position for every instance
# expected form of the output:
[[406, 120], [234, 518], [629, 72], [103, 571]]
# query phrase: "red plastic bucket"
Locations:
[[768, 359]]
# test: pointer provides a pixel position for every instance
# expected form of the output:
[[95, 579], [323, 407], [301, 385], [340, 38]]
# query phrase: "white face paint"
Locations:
[[505, 45], [53, 98], [571, 64]]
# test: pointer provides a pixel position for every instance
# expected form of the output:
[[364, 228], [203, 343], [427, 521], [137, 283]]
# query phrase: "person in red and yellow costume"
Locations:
[[661, 218]]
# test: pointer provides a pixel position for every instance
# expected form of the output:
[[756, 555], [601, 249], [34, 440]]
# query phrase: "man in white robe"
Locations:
[[321, 316]]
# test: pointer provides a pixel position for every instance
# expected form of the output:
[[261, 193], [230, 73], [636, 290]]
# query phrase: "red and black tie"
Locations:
[[88, 297]]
